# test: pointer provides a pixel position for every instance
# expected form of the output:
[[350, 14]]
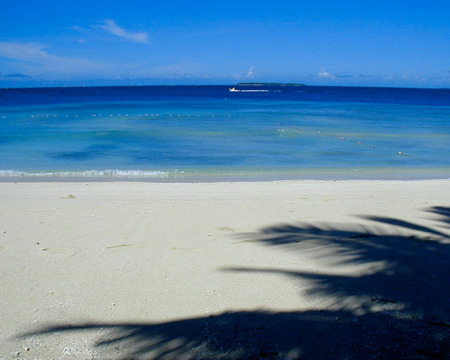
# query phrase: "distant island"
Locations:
[[270, 84]]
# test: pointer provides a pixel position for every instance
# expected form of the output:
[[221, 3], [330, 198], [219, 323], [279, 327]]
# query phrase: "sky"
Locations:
[[395, 43]]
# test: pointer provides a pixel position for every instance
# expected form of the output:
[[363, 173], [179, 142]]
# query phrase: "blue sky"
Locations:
[[359, 43]]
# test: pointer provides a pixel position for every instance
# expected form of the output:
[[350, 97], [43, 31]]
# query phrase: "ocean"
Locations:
[[207, 133]]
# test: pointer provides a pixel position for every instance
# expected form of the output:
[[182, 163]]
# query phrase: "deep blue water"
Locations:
[[209, 133]]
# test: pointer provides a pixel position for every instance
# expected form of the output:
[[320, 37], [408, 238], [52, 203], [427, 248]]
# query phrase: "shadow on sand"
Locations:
[[403, 309]]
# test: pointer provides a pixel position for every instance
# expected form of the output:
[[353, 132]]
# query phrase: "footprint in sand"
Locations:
[[61, 251], [69, 196], [120, 246], [226, 228]]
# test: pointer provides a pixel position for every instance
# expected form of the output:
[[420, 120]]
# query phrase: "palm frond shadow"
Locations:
[[411, 269], [404, 311]]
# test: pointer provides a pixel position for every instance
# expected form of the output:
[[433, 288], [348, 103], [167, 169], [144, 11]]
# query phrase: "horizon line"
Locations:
[[222, 85]]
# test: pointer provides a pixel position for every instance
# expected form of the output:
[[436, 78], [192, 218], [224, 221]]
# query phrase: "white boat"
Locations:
[[233, 89]]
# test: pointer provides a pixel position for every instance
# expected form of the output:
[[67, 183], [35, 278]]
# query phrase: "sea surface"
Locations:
[[207, 133]]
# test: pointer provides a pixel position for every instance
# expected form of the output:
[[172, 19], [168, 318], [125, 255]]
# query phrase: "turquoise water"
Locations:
[[208, 133]]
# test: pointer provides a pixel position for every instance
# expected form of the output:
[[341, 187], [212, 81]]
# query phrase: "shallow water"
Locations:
[[208, 133]]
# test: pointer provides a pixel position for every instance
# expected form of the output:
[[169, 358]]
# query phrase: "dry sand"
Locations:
[[285, 270]]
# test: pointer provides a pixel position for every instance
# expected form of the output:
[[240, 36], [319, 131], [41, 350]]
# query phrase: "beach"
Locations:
[[277, 269]]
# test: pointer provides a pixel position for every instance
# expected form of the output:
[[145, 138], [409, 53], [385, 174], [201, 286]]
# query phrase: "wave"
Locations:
[[113, 174], [228, 174]]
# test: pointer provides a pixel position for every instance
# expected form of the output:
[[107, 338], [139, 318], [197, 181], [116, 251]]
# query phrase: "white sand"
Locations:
[[143, 253]]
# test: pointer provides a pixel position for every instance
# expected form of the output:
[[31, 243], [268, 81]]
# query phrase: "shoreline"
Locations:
[[219, 270], [230, 175]]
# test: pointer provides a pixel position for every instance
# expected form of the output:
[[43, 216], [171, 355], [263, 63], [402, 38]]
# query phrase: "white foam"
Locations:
[[113, 173]]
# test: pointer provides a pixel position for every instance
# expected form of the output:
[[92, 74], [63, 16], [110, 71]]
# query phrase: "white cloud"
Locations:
[[325, 74], [110, 26], [31, 52], [34, 59], [251, 73]]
